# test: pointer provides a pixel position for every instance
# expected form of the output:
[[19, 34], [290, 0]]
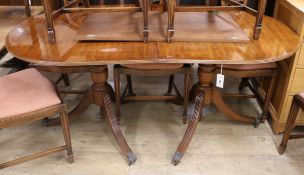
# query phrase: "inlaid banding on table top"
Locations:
[[28, 41], [126, 26]]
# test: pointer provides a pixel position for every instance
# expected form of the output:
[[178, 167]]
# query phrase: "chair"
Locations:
[[152, 70], [248, 71], [27, 8], [297, 102], [174, 6], [27, 96], [73, 7]]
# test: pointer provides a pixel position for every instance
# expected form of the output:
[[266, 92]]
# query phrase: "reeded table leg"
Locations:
[[183, 146], [206, 94], [99, 75], [212, 94], [100, 93]]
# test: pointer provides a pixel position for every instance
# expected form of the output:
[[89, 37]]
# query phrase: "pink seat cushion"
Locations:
[[249, 67], [153, 66], [25, 91]]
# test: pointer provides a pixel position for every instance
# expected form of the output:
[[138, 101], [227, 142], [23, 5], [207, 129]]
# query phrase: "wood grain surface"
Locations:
[[124, 26], [28, 41]]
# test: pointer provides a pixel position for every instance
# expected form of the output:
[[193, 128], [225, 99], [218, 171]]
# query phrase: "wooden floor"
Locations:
[[153, 130]]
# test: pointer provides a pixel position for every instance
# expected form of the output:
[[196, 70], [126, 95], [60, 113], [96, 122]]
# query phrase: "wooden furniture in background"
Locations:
[[107, 27], [152, 70], [27, 8], [173, 6], [72, 7], [252, 70], [291, 70], [297, 103], [44, 102], [272, 46]]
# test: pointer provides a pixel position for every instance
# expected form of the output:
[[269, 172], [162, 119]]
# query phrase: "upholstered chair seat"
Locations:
[[27, 96], [24, 92]]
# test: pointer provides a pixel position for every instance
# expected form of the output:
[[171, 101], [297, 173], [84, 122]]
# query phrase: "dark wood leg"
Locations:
[[66, 79], [259, 18], [117, 93], [170, 10], [27, 8], [289, 125], [212, 95], [146, 23], [99, 94], [268, 97], [183, 146], [201, 114], [170, 85], [205, 94], [49, 20], [102, 115], [99, 75], [243, 83], [67, 135], [186, 97], [130, 87]]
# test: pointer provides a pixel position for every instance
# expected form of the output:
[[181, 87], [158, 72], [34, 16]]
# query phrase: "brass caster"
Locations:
[[177, 158], [256, 122], [131, 158]]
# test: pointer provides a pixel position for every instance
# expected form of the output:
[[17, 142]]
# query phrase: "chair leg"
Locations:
[[130, 87], [67, 135], [102, 115], [186, 97], [201, 114], [243, 83], [27, 8], [117, 93], [170, 85], [268, 97], [289, 125], [66, 80]]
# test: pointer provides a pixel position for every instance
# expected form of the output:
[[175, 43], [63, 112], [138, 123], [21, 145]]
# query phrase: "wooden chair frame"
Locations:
[[245, 75], [118, 70], [36, 115], [27, 8], [297, 103], [72, 7], [232, 5]]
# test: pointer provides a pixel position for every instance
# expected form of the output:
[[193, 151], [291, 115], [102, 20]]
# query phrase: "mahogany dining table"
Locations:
[[28, 41]]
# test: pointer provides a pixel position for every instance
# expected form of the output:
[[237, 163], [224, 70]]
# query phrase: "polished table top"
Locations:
[[28, 41]]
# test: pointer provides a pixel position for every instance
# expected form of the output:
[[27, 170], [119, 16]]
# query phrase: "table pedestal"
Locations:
[[206, 94], [99, 94]]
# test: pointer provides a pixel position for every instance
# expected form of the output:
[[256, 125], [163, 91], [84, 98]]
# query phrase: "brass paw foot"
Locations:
[[131, 158], [177, 158]]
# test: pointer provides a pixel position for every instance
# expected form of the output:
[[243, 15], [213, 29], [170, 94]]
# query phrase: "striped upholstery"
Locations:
[[25, 91], [153, 66]]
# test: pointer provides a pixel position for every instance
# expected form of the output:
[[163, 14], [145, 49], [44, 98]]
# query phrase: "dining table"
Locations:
[[28, 41]]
